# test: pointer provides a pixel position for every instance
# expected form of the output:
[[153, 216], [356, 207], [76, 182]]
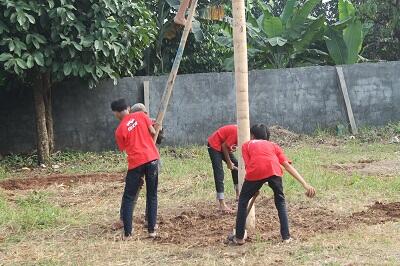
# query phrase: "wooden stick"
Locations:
[[241, 84], [251, 203], [174, 71], [146, 95], [343, 87]]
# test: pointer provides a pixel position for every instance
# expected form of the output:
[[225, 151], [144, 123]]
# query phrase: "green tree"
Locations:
[[344, 39], [200, 45], [383, 40], [280, 41], [47, 41]]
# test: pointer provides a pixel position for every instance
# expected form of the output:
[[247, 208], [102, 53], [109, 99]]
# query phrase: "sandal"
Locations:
[[232, 241]]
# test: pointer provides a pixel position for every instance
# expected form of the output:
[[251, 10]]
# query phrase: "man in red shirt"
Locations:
[[134, 135], [221, 145], [140, 107], [263, 160]]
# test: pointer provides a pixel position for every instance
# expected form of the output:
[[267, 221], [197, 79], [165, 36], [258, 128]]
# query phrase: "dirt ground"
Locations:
[[202, 226], [369, 167], [60, 180]]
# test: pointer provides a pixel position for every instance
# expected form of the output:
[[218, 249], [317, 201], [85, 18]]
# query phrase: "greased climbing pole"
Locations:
[[241, 84]]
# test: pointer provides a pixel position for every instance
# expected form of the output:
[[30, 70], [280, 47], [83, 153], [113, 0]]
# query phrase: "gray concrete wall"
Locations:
[[301, 99], [82, 116]]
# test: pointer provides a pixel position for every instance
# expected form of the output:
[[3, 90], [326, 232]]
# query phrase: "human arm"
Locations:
[[310, 191], [120, 139], [152, 130], [225, 151]]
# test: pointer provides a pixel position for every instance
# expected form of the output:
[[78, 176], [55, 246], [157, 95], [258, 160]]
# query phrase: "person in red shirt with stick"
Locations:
[[221, 145], [263, 162], [134, 135]]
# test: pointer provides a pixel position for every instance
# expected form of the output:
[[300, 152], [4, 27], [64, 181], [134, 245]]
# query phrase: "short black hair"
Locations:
[[260, 131], [119, 105]]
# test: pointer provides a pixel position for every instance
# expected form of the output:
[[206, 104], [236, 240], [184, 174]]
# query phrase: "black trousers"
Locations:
[[132, 187], [249, 188], [216, 160]]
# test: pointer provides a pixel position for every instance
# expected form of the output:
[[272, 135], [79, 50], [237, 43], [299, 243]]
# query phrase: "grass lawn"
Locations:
[[354, 219]]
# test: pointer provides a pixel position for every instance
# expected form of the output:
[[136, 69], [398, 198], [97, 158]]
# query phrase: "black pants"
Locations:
[[216, 160], [132, 186], [248, 190]]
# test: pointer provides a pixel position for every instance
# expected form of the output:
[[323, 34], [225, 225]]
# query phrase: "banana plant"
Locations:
[[344, 39], [280, 41]]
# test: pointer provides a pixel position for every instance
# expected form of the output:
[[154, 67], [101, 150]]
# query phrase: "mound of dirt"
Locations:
[[204, 226], [64, 180], [369, 167], [379, 213], [284, 137]]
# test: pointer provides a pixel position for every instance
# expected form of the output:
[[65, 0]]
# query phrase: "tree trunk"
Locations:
[[40, 119], [49, 111], [241, 84]]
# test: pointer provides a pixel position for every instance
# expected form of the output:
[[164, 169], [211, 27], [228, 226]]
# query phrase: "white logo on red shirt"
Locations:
[[131, 124]]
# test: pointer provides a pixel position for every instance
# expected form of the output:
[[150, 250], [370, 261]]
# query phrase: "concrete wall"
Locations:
[[82, 116], [301, 99]]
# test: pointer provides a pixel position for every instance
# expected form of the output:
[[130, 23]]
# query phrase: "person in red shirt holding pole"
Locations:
[[263, 162], [134, 135], [221, 145], [140, 107]]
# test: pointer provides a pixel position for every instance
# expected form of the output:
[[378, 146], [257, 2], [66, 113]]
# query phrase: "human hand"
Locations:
[[310, 191], [231, 166]]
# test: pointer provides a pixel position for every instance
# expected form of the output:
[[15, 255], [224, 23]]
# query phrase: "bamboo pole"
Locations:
[[241, 84], [174, 71]]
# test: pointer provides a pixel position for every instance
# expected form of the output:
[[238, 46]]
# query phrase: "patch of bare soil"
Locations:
[[205, 226], [284, 137], [369, 167], [379, 213], [63, 180]]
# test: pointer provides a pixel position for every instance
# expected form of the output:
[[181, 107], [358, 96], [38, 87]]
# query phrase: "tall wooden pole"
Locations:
[[241, 84]]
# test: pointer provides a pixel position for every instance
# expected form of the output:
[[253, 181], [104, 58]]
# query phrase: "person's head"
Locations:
[[259, 131], [138, 107], [120, 108]]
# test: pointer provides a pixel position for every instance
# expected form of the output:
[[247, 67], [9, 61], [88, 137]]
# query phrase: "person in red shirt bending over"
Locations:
[[134, 135], [263, 160], [221, 145]]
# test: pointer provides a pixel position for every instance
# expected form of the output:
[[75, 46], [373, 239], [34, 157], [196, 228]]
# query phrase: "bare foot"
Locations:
[[117, 225], [225, 209], [180, 20]]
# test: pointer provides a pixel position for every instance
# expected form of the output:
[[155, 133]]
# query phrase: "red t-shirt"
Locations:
[[262, 159], [227, 134], [133, 137]]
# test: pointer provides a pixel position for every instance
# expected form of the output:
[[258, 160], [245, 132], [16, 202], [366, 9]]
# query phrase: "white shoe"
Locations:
[[287, 241], [153, 235]]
